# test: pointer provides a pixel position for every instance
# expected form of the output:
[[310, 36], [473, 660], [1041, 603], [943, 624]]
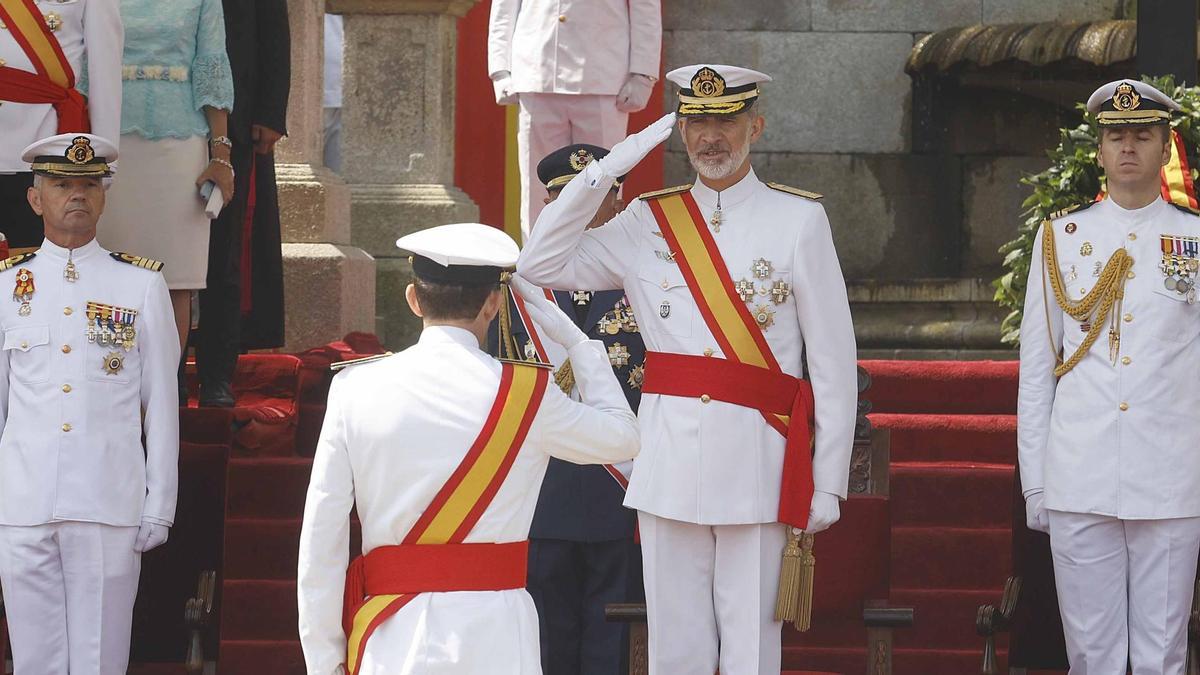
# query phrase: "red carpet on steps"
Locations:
[[953, 431]]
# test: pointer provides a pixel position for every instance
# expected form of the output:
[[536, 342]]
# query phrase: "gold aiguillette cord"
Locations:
[[794, 601]]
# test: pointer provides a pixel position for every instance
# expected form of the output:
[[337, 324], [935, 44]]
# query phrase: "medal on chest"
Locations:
[[110, 326], [1180, 265], [23, 292]]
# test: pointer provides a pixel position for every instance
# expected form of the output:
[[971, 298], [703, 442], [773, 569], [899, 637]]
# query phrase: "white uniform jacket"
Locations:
[[715, 463], [574, 46], [394, 432], [71, 422], [93, 39], [1111, 439]]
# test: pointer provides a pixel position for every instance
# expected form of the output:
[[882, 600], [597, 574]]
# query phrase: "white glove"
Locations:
[[1036, 517], [626, 154], [553, 323], [502, 85], [150, 535], [635, 93], [825, 510]]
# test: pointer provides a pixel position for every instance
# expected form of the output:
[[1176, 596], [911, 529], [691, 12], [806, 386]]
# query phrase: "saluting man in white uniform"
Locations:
[[442, 449], [89, 423], [1110, 343], [735, 283], [577, 68], [60, 72]]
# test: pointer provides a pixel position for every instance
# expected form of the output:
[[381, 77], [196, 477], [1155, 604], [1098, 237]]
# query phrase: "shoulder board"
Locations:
[[1185, 209], [137, 261], [532, 364], [794, 191], [663, 193], [9, 263], [354, 362], [1070, 209]]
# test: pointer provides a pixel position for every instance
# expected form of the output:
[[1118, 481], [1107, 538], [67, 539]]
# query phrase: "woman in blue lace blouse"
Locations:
[[176, 95]]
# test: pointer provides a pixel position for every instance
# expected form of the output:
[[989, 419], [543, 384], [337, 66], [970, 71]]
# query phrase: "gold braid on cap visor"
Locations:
[[71, 170], [715, 105], [1107, 117]]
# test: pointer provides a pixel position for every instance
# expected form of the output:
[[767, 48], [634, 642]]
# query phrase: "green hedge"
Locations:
[[1074, 178]]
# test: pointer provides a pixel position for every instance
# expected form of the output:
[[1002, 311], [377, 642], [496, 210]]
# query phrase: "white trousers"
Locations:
[[69, 589], [548, 122], [710, 585], [1124, 591]]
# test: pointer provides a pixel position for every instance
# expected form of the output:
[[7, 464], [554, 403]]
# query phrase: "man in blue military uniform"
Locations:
[[582, 554]]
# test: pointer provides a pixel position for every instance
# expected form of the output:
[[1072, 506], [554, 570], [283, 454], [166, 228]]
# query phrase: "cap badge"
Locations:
[[1126, 97], [81, 151], [706, 83], [580, 159]]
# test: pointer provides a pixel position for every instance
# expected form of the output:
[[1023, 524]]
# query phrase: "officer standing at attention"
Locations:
[[736, 286], [1110, 340], [582, 554], [89, 423], [60, 72], [440, 587]]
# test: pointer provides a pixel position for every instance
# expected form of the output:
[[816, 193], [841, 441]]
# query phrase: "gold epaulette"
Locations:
[[795, 191], [1070, 209], [137, 261], [664, 192], [13, 261], [534, 364], [354, 362], [1185, 209]]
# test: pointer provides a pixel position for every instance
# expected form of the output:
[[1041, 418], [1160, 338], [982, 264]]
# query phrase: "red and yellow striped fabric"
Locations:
[[29, 29]]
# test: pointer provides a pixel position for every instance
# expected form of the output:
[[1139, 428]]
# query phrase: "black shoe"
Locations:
[[216, 395]]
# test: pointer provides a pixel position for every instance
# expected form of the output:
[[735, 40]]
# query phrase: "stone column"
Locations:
[[329, 285], [398, 137]]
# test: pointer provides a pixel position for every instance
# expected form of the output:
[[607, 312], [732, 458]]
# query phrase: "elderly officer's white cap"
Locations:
[[461, 253], [714, 89], [1129, 103], [71, 155]]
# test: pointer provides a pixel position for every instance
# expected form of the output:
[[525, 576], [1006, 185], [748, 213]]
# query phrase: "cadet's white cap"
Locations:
[[713, 89], [1129, 103], [71, 155], [461, 253]]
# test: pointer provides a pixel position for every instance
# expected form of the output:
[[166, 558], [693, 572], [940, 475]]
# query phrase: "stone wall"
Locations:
[[839, 122]]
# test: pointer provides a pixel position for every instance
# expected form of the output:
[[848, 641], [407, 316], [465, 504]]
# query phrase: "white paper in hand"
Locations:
[[216, 201]]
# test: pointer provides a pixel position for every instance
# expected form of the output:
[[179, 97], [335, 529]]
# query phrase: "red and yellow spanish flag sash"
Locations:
[[459, 504], [543, 356], [741, 340], [54, 81]]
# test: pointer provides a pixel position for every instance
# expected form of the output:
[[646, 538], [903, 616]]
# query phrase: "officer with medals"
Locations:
[[1110, 340], [89, 423], [442, 448], [60, 72], [737, 288], [582, 554]]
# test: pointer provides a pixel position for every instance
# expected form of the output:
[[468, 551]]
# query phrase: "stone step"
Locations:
[[949, 319]]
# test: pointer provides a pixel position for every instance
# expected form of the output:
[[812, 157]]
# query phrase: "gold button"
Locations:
[[1124, 407], [1126, 360], [1130, 274], [1128, 318], [708, 351], [1083, 291], [562, 18], [665, 285], [705, 398], [24, 344], [66, 388], [67, 311], [66, 427], [1132, 236], [66, 349]]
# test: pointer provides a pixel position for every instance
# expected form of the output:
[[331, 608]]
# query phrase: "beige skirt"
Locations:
[[153, 207]]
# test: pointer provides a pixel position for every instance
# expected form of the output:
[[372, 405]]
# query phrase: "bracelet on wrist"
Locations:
[[222, 162], [221, 140]]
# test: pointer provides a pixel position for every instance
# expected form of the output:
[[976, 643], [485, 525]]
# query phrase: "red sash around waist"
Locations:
[[770, 392], [19, 86], [437, 568]]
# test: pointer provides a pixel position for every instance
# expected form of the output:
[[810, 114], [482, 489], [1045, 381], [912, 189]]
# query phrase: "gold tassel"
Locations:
[[794, 601]]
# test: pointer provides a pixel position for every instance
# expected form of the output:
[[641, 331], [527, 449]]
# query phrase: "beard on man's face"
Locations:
[[718, 160]]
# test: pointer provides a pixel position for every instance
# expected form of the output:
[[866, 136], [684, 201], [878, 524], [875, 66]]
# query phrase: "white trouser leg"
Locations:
[[542, 128], [746, 580], [1162, 574], [1091, 570], [34, 599], [101, 572], [677, 560], [595, 119]]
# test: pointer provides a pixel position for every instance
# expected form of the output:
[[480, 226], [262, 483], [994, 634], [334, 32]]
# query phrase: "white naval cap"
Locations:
[[714, 89], [1130, 103], [460, 253], [71, 155]]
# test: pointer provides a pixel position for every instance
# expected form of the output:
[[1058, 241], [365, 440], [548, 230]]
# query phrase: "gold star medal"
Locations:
[[618, 355], [637, 375], [113, 363], [764, 316]]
